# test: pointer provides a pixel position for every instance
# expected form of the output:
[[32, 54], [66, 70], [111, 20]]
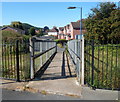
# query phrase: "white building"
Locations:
[[53, 32]]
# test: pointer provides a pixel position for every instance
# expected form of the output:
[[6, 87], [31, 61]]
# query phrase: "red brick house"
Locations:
[[61, 33], [70, 31], [20, 31]]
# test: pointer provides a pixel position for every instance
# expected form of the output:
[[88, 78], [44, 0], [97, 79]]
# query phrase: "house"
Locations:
[[53, 32], [20, 31], [37, 31], [61, 33], [71, 31]]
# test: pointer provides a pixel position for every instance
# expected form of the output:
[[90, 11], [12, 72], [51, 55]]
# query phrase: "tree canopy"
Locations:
[[32, 31], [104, 22], [46, 28], [17, 24]]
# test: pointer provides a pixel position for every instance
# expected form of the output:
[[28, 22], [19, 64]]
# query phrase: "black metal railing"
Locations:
[[15, 60], [21, 59], [102, 64]]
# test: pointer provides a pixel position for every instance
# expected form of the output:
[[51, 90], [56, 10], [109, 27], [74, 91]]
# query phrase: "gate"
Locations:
[[42, 52], [22, 59], [102, 64], [15, 60], [76, 52]]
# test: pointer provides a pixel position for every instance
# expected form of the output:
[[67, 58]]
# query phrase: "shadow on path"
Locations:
[[68, 65], [44, 67], [44, 74], [63, 65]]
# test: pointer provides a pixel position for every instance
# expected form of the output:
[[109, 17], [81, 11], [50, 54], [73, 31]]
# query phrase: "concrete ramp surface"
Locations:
[[58, 78]]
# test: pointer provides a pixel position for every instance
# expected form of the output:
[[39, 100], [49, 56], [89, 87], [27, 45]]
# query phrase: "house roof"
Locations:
[[61, 28], [17, 29], [53, 30], [80, 20], [68, 25], [75, 24]]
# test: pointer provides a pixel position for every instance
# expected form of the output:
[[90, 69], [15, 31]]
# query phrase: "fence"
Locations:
[[41, 53], [102, 64], [22, 59], [15, 60], [76, 52]]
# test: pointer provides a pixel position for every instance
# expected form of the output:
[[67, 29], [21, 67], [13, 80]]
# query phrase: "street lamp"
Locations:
[[80, 17], [82, 68]]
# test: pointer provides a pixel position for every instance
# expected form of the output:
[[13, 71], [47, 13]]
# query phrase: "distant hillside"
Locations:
[[28, 26], [23, 26]]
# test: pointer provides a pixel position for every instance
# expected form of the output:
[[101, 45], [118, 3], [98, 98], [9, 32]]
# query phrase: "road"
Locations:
[[16, 95]]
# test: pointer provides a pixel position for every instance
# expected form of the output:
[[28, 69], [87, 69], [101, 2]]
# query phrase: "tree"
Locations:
[[41, 32], [103, 23], [103, 10], [17, 24], [46, 29], [32, 31], [115, 25]]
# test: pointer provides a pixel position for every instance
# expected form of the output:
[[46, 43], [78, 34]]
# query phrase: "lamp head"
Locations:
[[71, 8]]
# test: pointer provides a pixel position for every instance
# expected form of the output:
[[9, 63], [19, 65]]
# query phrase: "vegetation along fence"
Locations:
[[102, 64], [15, 60], [41, 53], [76, 52], [22, 59]]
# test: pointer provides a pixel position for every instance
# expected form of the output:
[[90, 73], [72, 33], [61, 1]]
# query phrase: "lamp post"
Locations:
[[80, 17], [81, 80]]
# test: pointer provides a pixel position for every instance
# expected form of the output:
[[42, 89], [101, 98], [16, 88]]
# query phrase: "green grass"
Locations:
[[9, 66], [106, 66], [60, 45]]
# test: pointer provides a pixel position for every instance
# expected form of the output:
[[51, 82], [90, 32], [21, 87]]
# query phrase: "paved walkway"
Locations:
[[58, 78]]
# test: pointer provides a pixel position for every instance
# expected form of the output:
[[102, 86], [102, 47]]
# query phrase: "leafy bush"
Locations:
[[11, 35], [61, 42]]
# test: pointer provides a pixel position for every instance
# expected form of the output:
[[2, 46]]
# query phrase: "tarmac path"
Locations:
[[58, 78]]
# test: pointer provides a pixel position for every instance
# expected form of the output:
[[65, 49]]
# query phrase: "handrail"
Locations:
[[37, 55], [75, 54], [44, 40], [39, 40]]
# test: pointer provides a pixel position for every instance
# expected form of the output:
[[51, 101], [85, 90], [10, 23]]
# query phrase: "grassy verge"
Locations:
[[9, 66], [106, 66]]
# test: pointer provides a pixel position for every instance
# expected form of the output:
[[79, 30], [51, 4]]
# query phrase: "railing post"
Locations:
[[40, 52], [46, 49], [79, 62], [92, 81], [56, 48], [82, 76], [31, 58], [17, 60]]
